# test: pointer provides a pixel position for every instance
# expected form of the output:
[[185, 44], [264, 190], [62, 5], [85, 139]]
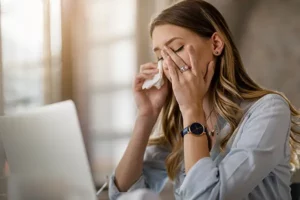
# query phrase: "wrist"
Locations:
[[143, 127], [192, 115], [191, 108], [148, 114], [147, 118]]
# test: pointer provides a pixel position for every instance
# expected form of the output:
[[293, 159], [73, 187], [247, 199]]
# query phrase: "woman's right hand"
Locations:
[[150, 101]]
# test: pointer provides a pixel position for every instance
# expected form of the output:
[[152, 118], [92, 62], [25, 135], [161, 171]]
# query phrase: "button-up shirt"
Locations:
[[254, 166]]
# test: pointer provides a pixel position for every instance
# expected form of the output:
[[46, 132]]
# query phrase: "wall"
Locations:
[[267, 35]]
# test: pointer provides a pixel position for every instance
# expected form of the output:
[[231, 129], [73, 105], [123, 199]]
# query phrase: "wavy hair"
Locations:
[[230, 83]]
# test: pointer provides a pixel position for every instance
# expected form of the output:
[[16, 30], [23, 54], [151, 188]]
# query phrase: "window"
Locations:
[[31, 45], [112, 65]]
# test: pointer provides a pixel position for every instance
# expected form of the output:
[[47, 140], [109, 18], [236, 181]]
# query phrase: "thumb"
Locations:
[[210, 72]]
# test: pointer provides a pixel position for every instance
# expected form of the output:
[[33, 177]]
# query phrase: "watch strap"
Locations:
[[186, 130]]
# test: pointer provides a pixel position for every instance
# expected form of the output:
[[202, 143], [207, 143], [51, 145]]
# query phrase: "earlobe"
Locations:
[[217, 44]]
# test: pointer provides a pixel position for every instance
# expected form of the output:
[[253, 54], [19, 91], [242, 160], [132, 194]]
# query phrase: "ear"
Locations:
[[217, 44]]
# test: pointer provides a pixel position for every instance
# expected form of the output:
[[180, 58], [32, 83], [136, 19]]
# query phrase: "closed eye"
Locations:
[[176, 51], [180, 49]]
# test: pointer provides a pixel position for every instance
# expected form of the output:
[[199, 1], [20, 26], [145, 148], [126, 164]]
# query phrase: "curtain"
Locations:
[[74, 60]]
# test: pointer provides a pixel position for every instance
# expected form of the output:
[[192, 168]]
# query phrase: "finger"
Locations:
[[144, 76], [165, 66], [170, 62], [150, 71], [177, 60], [210, 72], [148, 66], [138, 83], [170, 65], [194, 64], [140, 79], [173, 71]]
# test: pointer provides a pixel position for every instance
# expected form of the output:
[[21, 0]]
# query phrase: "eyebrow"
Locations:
[[168, 42]]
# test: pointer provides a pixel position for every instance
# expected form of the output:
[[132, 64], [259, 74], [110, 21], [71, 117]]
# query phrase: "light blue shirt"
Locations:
[[255, 164]]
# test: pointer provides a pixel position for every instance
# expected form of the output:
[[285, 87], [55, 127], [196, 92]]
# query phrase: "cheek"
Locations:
[[204, 60], [203, 57]]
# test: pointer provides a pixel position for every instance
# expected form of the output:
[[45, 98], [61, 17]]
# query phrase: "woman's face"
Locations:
[[177, 38]]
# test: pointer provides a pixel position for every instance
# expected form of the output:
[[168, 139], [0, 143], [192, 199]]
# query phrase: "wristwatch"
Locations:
[[195, 128], [198, 130]]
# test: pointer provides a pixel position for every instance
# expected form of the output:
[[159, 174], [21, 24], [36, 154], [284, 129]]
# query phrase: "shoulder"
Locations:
[[266, 119], [265, 126], [252, 109], [270, 102]]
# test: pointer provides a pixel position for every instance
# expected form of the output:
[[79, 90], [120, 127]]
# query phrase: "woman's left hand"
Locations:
[[189, 86]]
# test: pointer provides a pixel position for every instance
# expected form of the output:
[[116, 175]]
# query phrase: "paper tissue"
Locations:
[[157, 80]]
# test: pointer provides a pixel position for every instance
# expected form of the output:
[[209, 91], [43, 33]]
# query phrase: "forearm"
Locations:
[[131, 164], [195, 147]]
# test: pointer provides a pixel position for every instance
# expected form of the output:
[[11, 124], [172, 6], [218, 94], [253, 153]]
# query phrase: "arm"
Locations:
[[260, 147], [189, 87], [134, 172], [195, 147], [140, 168], [130, 167]]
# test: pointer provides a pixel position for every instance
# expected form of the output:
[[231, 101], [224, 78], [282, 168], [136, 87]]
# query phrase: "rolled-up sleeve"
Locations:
[[260, 146], [154, 175]]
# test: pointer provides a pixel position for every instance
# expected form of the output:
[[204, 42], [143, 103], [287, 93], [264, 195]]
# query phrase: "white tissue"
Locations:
[[157, 80]]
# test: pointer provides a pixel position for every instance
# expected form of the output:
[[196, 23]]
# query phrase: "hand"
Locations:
[[149, 102], [190, 86]]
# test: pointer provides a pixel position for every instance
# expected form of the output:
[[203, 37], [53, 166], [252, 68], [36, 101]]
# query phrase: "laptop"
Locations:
[[46, 154]]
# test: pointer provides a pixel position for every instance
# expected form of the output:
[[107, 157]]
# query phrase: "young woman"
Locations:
[[221, 135]]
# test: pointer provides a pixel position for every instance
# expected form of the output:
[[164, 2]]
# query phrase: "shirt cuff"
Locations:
[[114, 192]]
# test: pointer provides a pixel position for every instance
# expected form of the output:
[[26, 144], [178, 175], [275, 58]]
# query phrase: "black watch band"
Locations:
[[195, 128], [198, 130]]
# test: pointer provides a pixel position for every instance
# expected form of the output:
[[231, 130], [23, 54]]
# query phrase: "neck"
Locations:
[[209, 112], [207, 105]]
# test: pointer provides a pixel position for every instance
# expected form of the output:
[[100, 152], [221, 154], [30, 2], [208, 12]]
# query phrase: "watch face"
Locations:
[[197, 128]]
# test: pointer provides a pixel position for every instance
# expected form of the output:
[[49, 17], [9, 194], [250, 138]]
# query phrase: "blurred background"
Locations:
[[90, 50]]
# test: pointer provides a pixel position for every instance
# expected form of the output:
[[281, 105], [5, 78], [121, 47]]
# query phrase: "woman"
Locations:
[[208, 100]]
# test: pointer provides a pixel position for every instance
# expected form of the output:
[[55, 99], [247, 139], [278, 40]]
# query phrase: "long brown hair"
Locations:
[[230, 82]]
